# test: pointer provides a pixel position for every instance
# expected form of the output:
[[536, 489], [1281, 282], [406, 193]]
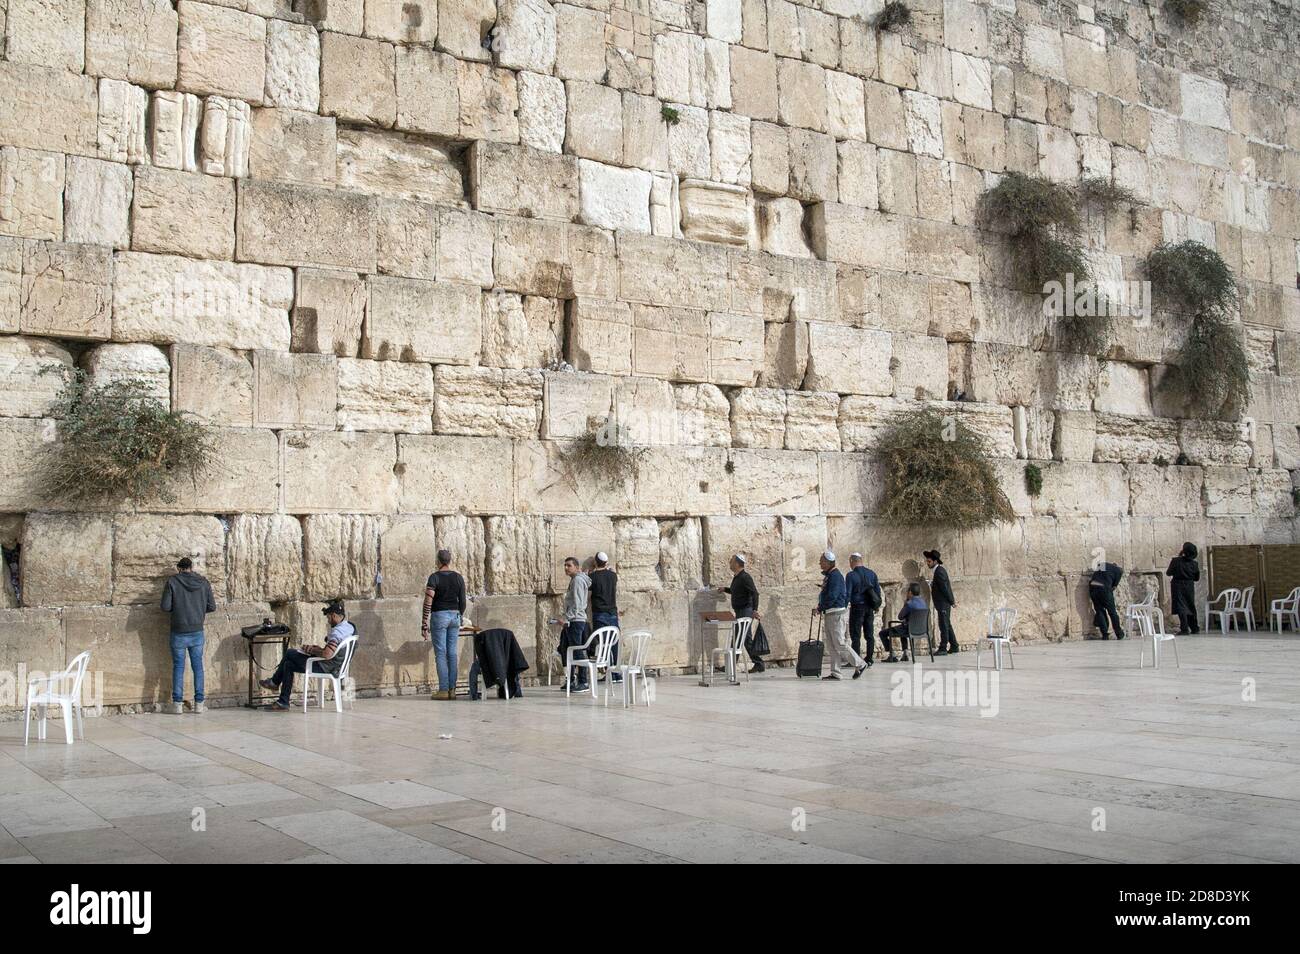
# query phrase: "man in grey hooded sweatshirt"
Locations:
[[188, 597]]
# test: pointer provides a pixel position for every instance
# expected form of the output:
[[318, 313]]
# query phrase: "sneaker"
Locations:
[[833, 675], [891, 658], [200, 708], [757, 668], [276, 706], [267, 684], [859, 671], [941, 652], [440, 695], [175, 708]]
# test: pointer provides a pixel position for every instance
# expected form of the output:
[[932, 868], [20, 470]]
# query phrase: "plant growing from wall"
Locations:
[[1189, 11], [894, 15], [603, 451], [1211, 372], [938, 473], [1033, 480], [116, 441], [671, 116], [1041, 223]]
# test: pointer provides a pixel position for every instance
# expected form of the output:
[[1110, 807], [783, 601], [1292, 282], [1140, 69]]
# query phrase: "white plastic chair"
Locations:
[[62, 689], [347, 647], [730, 653], [1152, 621], [1231, 598], [1280, 610], [604, 639], [635, 651], [1245, 607], [1130, 614], [1001, 622]]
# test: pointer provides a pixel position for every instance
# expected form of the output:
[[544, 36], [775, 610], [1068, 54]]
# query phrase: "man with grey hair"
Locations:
[[744, 603], [833, 605], [864, 600]]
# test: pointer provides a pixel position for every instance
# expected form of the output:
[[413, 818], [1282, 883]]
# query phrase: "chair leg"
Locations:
[[1177, 663], [338, 695], [66, 708], [81, 722], [27, 721], [1011, 658], [41, 714]]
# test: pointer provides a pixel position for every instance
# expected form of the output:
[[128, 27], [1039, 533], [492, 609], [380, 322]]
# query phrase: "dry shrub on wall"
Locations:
[[1212, 373], [893, 15], [116, 442], [603, 451], [938, 474], [1189, 11]]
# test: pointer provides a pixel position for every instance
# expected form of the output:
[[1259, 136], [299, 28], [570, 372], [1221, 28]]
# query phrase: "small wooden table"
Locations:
[[256, 698]]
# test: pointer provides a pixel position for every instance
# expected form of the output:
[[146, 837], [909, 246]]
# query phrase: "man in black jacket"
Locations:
[[943, 600], [1101, 590], [604, 599], [744, 602], [187, 596]]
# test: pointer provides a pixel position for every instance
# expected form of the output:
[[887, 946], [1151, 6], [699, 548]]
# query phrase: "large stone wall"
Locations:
[[399, 255]]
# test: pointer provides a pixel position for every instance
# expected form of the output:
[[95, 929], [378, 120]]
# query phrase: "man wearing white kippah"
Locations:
[[744, 603], [833, 605], [604, 599]]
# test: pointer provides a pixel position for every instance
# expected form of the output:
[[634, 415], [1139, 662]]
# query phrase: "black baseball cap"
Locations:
[[334, 606]]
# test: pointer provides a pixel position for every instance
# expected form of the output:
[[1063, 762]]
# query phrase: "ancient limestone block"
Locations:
[[688, 143], [857, 174], [328, 310], [292, 65], [22, 441], [842, 233], [590, 253], [801, 91], [487, 401], [405, 240], [489, 102], [947, 251], [30, 375], [340, 555], [265, 557], [594, 122], [1164, 491], [670, 343], [243, 478], [521, 332], [813, 166], [753, 83], [920, 367], [407, 22], [65, 290], [715, 212], [141, 363], [385, 396], [220, 51], [991, 422], [679, 68], [31, 187], [215, 385], [848, 360], [1228, 491], [48, 108], [702, 415], [811, 421], [122, 122], [183, 213], [781, 288], [463, 25], [435, 476], [97, 202], [614, 198], [358, 79], [294, 390], [1074, 436], [665, 209], [223, 143], [637, 545], [600, 336], [519, 180], [48, 32], [1215, 442], [681, 554], [542, 110], [785, 354], [574, 405], [407, 554], [645, 133], [294, 146], [133, 41], [757, 538], [147, 546], [465, 246], [1272, 493], [643, 414], [165, 299], [397, 166], [669, 272], [758, 417], [524, 37], [518, 554], [772, 482], [1082, 488], [67, 559], [532, 257], [339, 471], [282, 224], [1123, 389], [427, 91], [735, 348], [675, 481], [413, 320]]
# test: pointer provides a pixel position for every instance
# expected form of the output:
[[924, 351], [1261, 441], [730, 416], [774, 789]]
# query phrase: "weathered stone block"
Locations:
[[140, 363], [434, 478], [614, 198], [398, 166], [65, 290], [294, 390], [413, 320], [32, 372], [358, 79], [594, 122], [340, 555], [339, 471], [97, 202], [487, 401], [29, 122], [848, 360], [775, 482], [292, 65], [67, 559], [702, 415], [407, 553], [542, 112], [522, 331], [518, 554], [715, 212], [1164, 491], [264, 558], [293, 146], [220, 51], [147, 546], [213, 384], [519, 180], [32, 206], [489, 103], [811, 421], [1079, 488], [283, 224], [385, 396], [183, 213]]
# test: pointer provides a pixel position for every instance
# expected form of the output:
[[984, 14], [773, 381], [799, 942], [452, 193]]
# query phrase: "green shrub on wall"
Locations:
[[894, 15], [116, 442], [1211, 373], [1033, 480], [938, 473]]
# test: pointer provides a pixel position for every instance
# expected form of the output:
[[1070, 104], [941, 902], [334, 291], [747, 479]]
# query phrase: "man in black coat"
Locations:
[[1101, 590], [943, 600], [744, 602], [1183, 572]]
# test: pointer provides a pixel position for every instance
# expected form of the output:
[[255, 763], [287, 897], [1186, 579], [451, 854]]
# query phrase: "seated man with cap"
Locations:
[[295, 660], [833, 605]]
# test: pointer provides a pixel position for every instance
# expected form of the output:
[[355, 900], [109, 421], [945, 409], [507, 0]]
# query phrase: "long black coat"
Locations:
[[1183, 573], [941, 589]]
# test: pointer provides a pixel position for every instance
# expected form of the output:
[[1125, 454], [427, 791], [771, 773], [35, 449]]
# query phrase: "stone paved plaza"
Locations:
[[1184, 769]]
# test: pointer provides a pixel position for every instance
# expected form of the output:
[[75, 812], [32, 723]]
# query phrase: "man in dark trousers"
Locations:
[[943, 600], [187, 596], [744, 603], [295, 660], [1101, 590], [864, 600], [604, 599]]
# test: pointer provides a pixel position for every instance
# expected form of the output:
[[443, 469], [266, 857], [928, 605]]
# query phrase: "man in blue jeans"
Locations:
[[187, 596]]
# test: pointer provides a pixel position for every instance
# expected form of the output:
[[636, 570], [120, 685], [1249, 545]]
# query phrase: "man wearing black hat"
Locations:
[[295, 660], [187, 596], [943, 600]]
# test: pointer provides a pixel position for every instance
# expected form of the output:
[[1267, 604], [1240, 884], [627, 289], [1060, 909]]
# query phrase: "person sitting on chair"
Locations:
[[295, 660], [914, 604]]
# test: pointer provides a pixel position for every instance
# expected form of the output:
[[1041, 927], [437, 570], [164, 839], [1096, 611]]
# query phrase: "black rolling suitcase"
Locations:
[[809, 662]]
